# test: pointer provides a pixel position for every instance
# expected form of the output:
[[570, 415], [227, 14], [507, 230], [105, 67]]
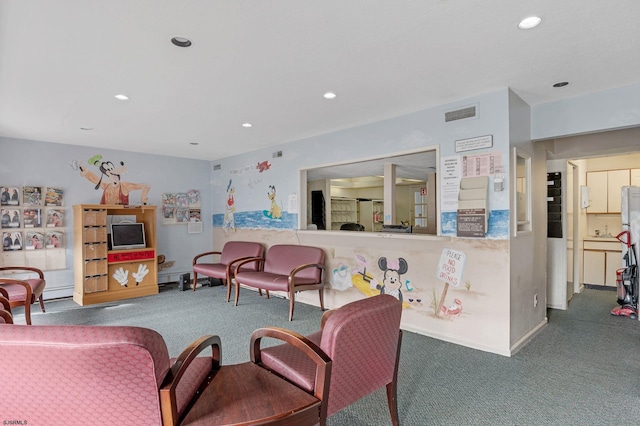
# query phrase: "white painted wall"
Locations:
[[611, 109], [527, 252]]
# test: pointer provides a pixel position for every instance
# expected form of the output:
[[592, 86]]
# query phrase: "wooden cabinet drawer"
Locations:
[[95, 267], [602, 245], [95, 284], [95, 235], [95, 218], [95, 251]]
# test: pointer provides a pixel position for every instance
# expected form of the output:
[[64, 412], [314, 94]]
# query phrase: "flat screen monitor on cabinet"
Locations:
[[127, 236]]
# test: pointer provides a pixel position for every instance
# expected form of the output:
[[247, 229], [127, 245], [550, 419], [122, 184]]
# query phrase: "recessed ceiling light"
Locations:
[[530, 22], [247, 125], [86, 128], [194, 143], [329, 95], [561, 84], [122, 97], [181, 41]]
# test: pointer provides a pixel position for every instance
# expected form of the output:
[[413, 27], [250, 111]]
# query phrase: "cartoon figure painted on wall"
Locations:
[[275, 212], [114, 191], [229, 210], [392, 283], [453, 310]]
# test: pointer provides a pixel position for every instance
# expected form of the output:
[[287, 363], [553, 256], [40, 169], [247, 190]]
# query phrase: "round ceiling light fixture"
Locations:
[[561, 84], [247, 125], [530, 22], [329, 95], [122, 97], [181, 41]]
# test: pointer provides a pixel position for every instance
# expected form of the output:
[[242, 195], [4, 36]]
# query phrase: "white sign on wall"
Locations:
[[451, 266], [449, 270], [474, 143], [450, 173]]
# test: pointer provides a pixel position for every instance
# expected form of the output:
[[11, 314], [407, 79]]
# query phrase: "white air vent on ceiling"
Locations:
[[460, 114]]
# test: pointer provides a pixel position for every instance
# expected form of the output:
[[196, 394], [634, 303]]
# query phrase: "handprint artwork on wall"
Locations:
[[142, 272], [121, 275]]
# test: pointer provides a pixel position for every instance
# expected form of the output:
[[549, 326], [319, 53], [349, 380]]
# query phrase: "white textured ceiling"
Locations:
[[268, 62]]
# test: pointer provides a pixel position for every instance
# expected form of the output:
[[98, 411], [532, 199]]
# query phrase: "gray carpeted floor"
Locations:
[[583, 369]]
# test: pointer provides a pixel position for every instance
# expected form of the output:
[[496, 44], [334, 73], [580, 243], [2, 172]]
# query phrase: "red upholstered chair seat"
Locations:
[[232, 252], [18, 292], [362, 339], [89, 375], [288, 268], [23, 291]]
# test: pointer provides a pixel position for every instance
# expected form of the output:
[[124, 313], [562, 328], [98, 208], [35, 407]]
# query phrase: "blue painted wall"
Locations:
[[34, 163], [408, 132]]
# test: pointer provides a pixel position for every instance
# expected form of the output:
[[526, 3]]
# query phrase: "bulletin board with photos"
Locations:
[[32, 226], [181, 207]]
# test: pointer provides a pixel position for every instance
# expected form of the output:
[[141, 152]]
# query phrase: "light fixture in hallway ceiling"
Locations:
[[122, 97], [329, 95], [247, 125], [561, 84], [181, 41], [530, 22]]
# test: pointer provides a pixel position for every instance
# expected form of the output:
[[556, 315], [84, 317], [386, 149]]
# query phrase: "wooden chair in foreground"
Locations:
[[24, 292], [232, 252], [362, 339], [5, 308], [106, 375], [287, 268]]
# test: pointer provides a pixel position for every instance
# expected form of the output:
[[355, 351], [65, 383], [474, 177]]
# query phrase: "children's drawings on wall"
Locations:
[[253, 183], [275, 211], [248, 189], [391, 282], [114, 190], [229, 222], [389, 275], [181, 207]]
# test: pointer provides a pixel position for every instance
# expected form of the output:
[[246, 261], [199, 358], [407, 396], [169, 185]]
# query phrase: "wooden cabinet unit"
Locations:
[[103, 275], [602, 258], [605, 190], [616, 179]]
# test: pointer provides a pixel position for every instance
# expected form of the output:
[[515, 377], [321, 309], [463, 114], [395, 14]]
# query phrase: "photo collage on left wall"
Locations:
[[32, 217]]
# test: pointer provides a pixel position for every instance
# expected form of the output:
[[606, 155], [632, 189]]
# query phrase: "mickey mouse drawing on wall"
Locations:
[[392, 284], [114, 191]]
